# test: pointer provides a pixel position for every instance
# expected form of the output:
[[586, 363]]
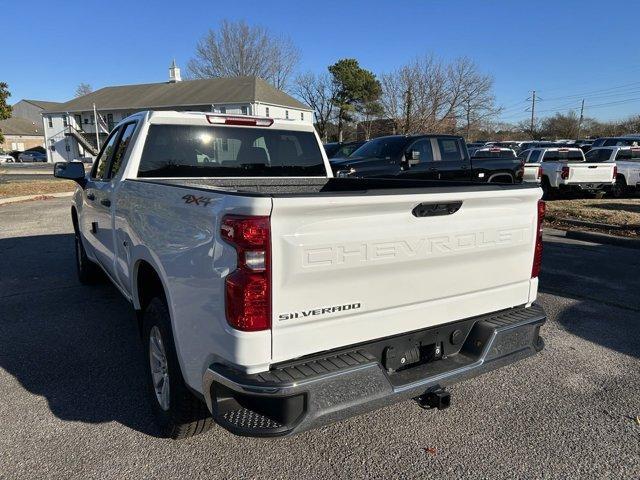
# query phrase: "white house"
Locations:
[[70, 128]]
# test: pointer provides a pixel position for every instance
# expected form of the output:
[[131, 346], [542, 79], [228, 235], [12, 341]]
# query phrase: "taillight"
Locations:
[[537, 254], [615, 172], [565, 173], [539, 174], [248, 288]]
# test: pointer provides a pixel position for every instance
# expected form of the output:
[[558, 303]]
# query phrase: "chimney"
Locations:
[[174, 73]]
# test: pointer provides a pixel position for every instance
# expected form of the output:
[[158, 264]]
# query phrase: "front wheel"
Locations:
[[88, 272], [179, 414]]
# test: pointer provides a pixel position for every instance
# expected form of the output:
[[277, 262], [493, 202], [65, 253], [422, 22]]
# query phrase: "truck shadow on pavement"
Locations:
[[602, 280], [76, 346]]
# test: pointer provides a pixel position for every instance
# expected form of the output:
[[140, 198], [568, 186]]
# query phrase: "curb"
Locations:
[[604, 238], [4, 201]]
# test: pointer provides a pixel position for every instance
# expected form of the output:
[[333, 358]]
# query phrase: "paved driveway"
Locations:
[[72, 403]]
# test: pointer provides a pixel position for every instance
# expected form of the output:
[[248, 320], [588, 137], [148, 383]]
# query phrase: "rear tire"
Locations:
[[88, 272], [178, 412], [619, 189], [547, 191]]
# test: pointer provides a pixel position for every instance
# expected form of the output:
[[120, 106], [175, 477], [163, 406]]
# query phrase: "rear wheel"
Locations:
[[179, 414], [88, 272], [547, 191], [619, 189]]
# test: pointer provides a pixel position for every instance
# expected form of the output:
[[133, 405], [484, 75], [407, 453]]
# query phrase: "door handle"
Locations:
[[91, 196], [436, 209], [106, 202]]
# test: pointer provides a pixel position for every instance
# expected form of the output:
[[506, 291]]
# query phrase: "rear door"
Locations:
[[452, 162], [349, 269]]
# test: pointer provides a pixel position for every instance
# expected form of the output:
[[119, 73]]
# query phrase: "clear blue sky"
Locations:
[[562, 49]]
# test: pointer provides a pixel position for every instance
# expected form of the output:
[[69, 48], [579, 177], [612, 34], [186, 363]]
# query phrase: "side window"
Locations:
[[424, 147], [623, 155], [102, 161], [523, 155], [122, 148], [449, 149], [535, 156]]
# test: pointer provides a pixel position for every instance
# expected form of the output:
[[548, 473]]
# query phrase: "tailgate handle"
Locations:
[[436, 209], [592, 166]]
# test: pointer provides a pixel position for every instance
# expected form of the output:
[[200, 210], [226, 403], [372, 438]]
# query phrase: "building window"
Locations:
[[50, 122], [244, 110], [93, 119], [110, 122], [286, 114], [267, 111], [223, 109], [302, 116], [86, 121], [65, 121]]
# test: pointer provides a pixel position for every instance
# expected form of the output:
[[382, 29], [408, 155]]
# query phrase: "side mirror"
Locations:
[[70, 171], [412, 157]]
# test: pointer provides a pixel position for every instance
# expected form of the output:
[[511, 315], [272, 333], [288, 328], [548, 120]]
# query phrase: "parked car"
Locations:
[[426, 157], [630, 141], [627, 160], [6, 158], [347, 149], [342, 150], [332, 148], [32, 156], [274, 298], [563, 170]]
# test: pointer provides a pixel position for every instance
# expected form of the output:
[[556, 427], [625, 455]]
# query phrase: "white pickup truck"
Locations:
[[562, 169], [627, 161], [273, 298]]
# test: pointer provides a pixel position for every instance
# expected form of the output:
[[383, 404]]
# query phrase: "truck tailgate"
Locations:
[[353, 268], [581, 172]]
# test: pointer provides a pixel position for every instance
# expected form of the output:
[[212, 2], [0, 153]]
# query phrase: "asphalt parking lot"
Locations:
[[72, 403]]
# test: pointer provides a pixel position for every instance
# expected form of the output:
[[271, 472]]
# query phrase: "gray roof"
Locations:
[[20, 126], [43, 104], [180, 94]]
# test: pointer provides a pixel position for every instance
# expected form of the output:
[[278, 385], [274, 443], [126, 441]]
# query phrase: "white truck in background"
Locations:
[[273, 298], [627, 161], [562, 170]]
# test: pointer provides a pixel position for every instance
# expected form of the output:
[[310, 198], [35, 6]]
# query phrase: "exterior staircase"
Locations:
[[84, 139]]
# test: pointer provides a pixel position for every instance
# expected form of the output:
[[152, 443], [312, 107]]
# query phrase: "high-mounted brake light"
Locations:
[[563, 149], [565, 173], [248, 288], [537, 253], [241, 121]]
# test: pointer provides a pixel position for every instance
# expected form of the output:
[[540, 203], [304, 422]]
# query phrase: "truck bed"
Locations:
[[279, 187]]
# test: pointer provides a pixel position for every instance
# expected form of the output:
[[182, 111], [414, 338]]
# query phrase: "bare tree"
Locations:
[[83, 89], [428, 95], [237, 49], [317, 91]]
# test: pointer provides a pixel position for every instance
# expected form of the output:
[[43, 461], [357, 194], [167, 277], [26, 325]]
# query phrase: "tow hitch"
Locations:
[[439, 399]]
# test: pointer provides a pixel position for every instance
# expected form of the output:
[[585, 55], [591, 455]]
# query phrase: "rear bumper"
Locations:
[[307, 394], [585, 186]]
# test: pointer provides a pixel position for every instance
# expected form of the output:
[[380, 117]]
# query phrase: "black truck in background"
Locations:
[[426, 157]]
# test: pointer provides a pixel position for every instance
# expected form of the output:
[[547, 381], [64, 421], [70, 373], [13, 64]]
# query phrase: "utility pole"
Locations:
[[408, 111], [581, 117], [533, 109]]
